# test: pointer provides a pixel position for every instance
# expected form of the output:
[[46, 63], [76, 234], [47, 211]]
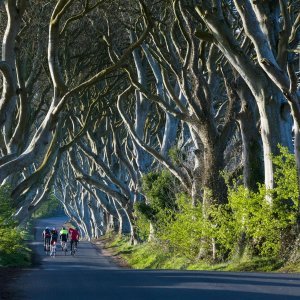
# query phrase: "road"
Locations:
[[90, 275]]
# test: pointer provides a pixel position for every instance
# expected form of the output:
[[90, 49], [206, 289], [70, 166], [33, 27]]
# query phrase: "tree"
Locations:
[[258, 66]]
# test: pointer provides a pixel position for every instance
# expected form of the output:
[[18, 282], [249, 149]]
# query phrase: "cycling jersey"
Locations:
[[74, 234], [63, 234], [54, 236], [46, 233]]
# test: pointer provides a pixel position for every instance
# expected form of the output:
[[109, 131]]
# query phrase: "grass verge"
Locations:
[[153, 256]]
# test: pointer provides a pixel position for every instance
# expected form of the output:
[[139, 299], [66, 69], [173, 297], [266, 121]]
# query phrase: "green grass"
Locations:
[[266, 264], [153, 256], [291, 268]]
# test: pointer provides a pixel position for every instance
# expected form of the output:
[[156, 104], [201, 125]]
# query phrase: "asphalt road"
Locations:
[[89, 275]]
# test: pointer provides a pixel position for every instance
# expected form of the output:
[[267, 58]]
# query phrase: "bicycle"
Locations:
[[47, 246], [73, 247], [64, 247], [53, 249]]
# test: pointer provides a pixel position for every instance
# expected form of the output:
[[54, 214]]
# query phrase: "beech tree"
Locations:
[[193, 102], [103, 92], [256, 44], [65, 86]]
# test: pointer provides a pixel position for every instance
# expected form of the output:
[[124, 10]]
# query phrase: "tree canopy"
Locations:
[[176, 111]]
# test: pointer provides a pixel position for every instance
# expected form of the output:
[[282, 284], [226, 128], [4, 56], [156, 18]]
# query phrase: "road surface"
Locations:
[[89, 275]]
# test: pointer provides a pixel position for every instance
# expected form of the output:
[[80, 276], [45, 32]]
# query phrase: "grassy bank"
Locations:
[[152, 256]]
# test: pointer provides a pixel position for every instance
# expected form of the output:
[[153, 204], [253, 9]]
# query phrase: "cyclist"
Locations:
[[74, 233], [53, 241], [54, 236], [46, 237], [63, 235]]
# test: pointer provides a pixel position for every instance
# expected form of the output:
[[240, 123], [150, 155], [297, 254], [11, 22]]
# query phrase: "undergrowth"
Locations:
[[13, 249], [252, 231], [152, 256]]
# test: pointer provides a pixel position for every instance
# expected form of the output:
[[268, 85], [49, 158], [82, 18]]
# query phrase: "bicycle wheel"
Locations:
[[72, 248], [65, 248], [53, 250], [47, 247], [62, 246]]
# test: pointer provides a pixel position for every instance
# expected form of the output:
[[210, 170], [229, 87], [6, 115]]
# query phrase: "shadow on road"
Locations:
[[90, 275]]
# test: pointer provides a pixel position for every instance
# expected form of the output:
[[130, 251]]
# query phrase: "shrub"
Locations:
[[159, 188], [13, 252], [182, 232], [262, 220], [142, 222], [264, 216]]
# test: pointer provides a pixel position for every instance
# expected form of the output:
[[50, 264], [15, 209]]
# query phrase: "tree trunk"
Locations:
[[214, 187], [267, 96], [9, 47], [271, 135], [142, 107], [252, 155]]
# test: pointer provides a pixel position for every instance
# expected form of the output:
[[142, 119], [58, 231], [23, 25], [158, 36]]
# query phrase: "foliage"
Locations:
[[6, 211], [159, 188], [192, 230], [182, 232], [144, 211], [177, 156], [142, 222], [265, 216], [252, 215], [260, 222], [13, 252], [50, 207], [286, 192]]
